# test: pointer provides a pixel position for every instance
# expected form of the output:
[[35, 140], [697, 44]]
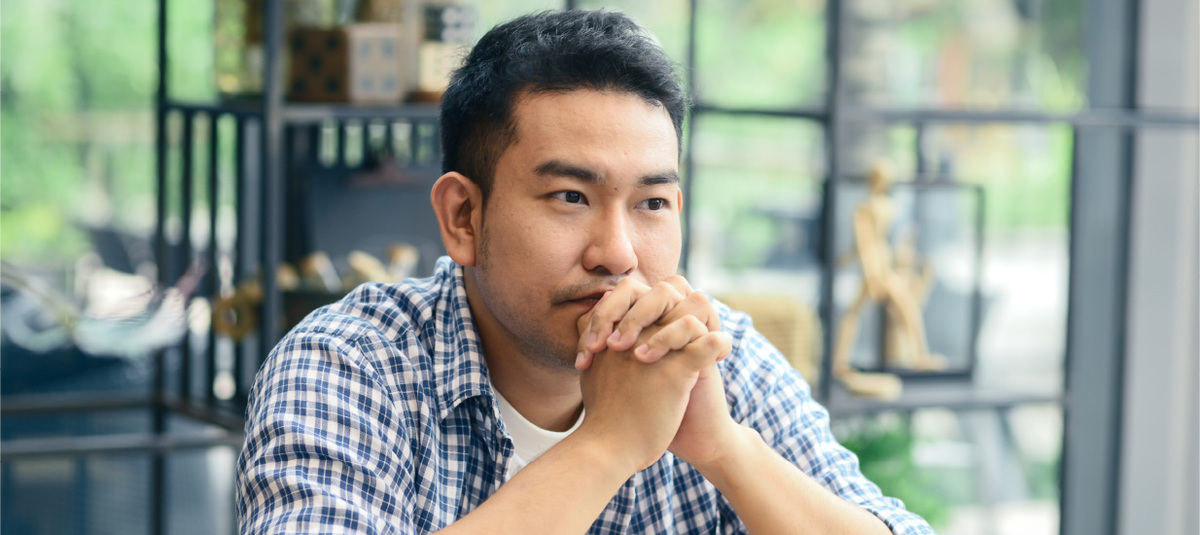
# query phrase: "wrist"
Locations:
[[733, 456], [600, 450]]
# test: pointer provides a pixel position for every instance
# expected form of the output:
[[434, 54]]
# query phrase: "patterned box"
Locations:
[[355, 63]]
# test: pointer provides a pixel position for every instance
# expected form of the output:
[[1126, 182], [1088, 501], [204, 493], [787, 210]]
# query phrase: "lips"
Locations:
[[589, 298], [587, 302]]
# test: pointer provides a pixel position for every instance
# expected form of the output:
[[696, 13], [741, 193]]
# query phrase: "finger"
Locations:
[[647, 311], [672, 337], [707, 349], [695, 303], [582, 326], [583, 361], [609, 311]]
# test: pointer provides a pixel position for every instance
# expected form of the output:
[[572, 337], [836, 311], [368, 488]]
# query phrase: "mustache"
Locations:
[[585, 288]]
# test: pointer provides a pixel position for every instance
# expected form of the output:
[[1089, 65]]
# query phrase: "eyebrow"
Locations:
[[559, 168]]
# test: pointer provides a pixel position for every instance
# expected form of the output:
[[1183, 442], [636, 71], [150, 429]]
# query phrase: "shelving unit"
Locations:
[[284, 156]]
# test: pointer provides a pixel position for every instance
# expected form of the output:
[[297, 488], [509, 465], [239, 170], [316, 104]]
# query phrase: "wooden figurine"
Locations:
[[890, 285]]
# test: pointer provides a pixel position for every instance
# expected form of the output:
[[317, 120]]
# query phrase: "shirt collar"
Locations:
[[458, 363]]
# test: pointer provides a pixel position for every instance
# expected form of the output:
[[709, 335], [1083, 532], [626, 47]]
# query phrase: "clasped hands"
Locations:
[[650, 380]]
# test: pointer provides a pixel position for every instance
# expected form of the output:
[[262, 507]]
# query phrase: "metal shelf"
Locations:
[[1091, 118], [296, 113], [119, 443], [1088, 118], [816, 114], [955, 395]]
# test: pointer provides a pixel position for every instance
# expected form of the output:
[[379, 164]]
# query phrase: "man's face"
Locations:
[[588, 194]]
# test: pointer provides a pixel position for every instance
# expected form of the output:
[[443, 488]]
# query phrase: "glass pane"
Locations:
[[982, 54], [667, 20], [965, 472], [755, 205], [1021, 174], [930, 237], [493, 13], [761, 53]]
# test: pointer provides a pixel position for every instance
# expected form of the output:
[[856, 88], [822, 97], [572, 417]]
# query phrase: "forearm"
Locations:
[[771, 495], [563, 491]]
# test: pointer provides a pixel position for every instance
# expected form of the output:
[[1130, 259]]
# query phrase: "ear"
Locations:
[[458, 203], [679, 199]]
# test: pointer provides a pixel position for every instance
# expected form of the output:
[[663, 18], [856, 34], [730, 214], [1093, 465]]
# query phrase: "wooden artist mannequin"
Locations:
[[891, 286]]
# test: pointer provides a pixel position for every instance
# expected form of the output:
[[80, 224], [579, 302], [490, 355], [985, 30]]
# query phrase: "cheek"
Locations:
[[658, 250], [535, 241]]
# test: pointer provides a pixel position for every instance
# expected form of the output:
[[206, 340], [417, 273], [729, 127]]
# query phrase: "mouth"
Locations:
[[588, 300]]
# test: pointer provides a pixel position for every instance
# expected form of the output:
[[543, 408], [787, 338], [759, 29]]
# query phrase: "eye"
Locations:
[[656, 204], [570, 197]]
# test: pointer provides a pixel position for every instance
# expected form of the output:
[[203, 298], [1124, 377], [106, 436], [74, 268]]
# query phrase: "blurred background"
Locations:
[[183, 180]]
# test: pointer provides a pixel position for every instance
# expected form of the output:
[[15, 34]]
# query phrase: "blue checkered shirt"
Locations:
[[375, 415]]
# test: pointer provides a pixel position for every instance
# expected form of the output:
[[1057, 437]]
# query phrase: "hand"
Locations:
[[621, 316], [707, 429], [666, 318], [636, 408]]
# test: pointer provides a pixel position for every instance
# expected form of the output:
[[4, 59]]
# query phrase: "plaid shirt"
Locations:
[[375, 415]]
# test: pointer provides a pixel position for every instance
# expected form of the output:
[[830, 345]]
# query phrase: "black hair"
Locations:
[[546, 52]]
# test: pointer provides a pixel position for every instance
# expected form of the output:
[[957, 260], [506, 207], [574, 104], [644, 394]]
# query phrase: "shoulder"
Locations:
[[379, 334]]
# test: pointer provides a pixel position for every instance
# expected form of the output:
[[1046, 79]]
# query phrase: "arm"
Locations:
[[772, 495], [789, 432], [581, 472], [760, 474], [316, 458], [633, 411]]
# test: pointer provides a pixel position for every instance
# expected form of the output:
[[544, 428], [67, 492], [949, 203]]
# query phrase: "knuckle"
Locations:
[[713, 341], [698, 297], [678, 281], [664, 289], [662, 338]]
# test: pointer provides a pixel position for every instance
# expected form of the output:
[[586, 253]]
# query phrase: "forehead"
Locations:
[[606, 128]]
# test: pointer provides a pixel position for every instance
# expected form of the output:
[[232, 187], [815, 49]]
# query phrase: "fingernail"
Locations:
[[631, 339], [642, 350], [592, 338], [579, 360], [614, 337]]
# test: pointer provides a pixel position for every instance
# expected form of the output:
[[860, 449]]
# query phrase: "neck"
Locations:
[[548, 396]]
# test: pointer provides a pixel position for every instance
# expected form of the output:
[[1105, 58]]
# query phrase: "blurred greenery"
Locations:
[[77, 96], [78, 80], [885, 454]]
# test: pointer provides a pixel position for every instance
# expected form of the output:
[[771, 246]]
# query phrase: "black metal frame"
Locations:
[[261, 130], [1091, 399], [833, 117]]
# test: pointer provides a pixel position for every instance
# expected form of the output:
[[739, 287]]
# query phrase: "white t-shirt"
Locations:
[[529, 440]]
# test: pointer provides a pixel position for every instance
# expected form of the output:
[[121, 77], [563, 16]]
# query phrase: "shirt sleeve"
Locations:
[[766, 393], [320, 455]]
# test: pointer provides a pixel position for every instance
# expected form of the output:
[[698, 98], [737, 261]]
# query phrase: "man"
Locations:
[[457, 403]]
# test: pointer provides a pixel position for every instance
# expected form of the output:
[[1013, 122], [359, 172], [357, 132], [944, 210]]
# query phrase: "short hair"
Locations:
[[547, 52]]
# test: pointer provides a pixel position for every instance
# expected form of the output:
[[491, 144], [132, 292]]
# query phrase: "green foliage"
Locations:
[[885, 455], [786, 42], [78, 80]]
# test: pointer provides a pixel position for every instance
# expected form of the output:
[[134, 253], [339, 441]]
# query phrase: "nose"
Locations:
[[610, 248]]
